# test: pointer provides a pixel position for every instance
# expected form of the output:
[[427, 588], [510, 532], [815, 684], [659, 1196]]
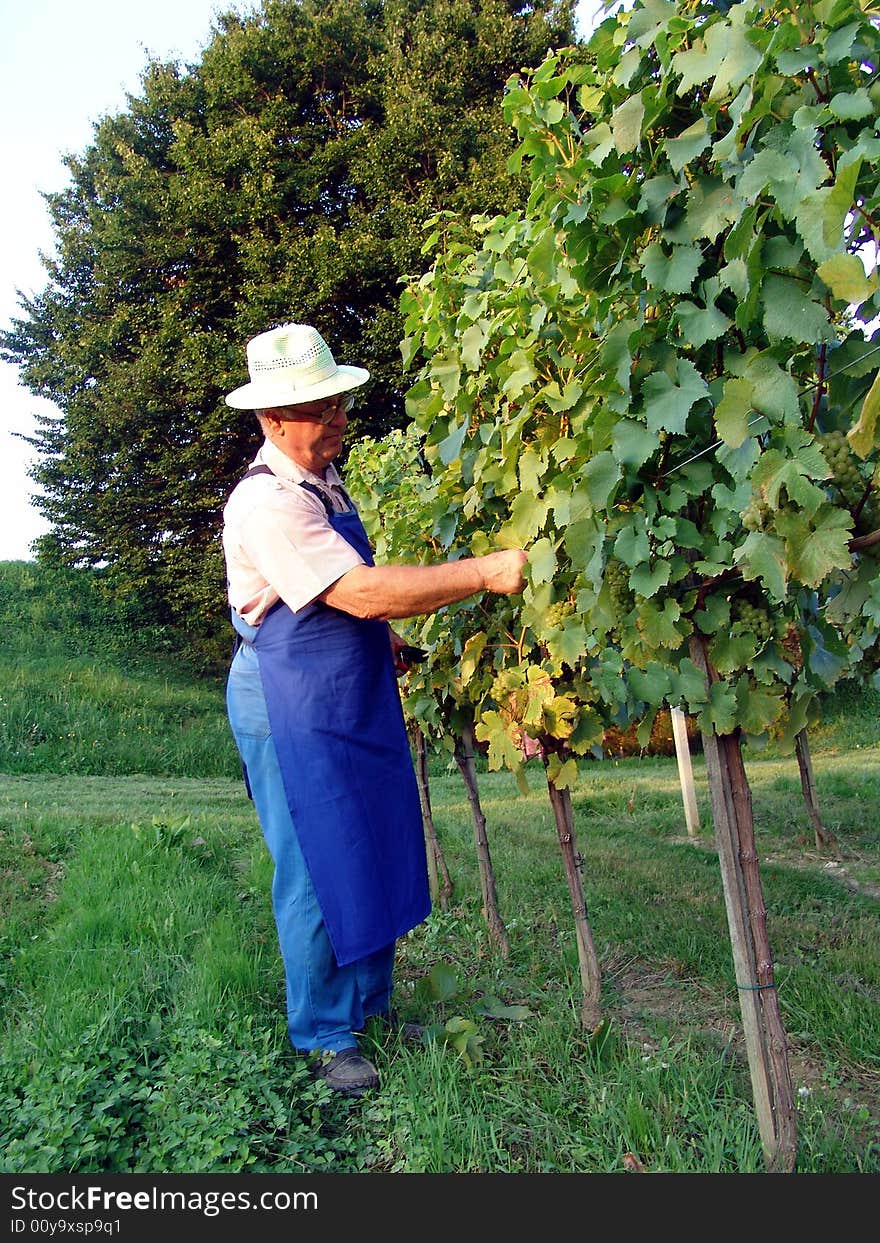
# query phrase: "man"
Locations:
[[313, 700]]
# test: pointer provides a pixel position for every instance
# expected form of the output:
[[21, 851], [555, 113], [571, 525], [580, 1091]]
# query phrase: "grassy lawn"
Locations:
[[142, 992], [143, 996]]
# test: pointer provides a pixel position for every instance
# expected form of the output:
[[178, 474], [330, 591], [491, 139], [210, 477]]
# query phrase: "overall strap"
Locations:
[[263, 469], [325, 499]]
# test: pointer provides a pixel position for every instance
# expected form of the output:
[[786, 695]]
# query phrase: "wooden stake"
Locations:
[[588, 960], [464, 758], [439, 880], [766, 1043], [823, 836], [685, 771]]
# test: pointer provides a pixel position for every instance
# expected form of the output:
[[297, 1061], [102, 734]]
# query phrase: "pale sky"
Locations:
[[63, 66]]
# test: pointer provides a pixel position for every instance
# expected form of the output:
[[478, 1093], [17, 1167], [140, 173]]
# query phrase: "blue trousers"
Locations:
[[326, 1003]]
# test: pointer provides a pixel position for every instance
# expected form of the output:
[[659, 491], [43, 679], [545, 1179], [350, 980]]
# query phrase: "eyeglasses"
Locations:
[[326, 411]]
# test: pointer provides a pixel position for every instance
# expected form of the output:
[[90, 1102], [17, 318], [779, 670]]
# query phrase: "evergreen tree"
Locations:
[[285, 176]]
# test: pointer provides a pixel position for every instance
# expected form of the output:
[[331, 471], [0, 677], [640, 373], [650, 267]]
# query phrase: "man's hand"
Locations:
[[403, 653], [396, 644], [503, 571]]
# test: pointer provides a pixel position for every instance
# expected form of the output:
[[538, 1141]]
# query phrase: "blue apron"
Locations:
[[338, 729]]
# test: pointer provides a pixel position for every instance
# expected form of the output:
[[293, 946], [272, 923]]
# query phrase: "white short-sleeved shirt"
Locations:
[[277, 540]]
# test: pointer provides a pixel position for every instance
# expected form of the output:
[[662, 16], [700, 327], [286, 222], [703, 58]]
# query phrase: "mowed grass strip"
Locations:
[[150, 941]]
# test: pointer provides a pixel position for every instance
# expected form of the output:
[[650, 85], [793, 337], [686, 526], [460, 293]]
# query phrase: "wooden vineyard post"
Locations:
[[766, 1044], [823, 836], [439, 880], [685, 771], [588, 961], [464, 758]]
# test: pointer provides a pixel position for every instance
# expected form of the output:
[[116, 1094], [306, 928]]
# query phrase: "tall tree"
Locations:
[[283, 177]]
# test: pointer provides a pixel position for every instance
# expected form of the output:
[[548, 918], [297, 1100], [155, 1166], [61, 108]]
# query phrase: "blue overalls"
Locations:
[[315, 711]]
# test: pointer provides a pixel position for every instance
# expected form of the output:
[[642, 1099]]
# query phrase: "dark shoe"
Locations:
[[347, 1072]]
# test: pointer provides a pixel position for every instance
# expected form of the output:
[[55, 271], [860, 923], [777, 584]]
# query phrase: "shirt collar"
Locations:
[[285, 468]]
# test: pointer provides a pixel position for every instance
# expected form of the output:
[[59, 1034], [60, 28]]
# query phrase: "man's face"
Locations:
[[311, 434]]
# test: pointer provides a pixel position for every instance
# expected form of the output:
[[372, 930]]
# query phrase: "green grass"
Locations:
[[139, 950], [142, 992], [71, 715]]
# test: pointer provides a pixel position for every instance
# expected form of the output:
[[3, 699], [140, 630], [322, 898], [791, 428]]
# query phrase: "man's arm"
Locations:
[[382, 592]]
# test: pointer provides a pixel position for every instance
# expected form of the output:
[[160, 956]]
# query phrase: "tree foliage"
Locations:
[[285, 176]]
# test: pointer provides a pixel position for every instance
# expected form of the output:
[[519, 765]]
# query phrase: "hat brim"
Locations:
[[270, 393]]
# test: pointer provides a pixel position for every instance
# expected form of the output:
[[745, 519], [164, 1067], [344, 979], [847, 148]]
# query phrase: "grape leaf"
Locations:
[[450, 448], [732, 651], [626, 124], [503, 752], [719, 714], [522, 373], [562, 775], [838, 43], [470, 657], [687, 683], [762, 556], [824, 653], [701, 61], [741, 57], [651, 684], [601, 473], [569, 644], [675, 272], [447, 372], [790, 314], [667, 404], [862, 436], [583, 542], [647, 580], [821, 216], [814, 550], [633, 443], [690, 143], [852, 105], [528, 513], [768, 169], [757, 709], [733, 412], [632, 546], [542, 559], [700, 324], [845, 276], [658, 625], [712, 206], [775, 392], [473, 342]]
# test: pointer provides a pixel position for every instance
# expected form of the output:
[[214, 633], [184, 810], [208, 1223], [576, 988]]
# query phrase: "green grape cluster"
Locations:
[[755, 514], [755, 619], [557, 613], [843, 464], [500, 689], [617, 580]]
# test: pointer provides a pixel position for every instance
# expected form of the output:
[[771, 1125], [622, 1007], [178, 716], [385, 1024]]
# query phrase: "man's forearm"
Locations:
[[385, 592]]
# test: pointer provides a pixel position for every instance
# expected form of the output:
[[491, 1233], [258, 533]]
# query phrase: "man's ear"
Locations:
[[271, 419]]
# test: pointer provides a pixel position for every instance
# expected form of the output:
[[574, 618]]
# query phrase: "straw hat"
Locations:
[[291, 365]]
